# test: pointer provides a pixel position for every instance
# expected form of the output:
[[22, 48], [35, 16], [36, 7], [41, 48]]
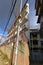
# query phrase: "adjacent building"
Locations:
[[39, 13], [36, 48], [36, 37]]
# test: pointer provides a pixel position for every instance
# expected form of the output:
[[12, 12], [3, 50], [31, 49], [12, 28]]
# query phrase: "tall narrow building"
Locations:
[[39, 13], [15, 49], [36, 37], [34, 47]]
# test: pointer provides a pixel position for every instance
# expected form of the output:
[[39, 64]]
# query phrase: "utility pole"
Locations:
[[18, 31]]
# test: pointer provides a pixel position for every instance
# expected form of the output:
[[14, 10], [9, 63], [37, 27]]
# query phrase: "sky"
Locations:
[[5, 11], [5, 6], [32, 15]]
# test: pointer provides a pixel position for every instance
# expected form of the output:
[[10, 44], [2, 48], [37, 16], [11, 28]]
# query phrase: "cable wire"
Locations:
[[12, 7], [10, 15], [12, 12]]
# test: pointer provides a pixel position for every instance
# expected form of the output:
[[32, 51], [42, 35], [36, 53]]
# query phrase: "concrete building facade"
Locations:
[[15, 48]]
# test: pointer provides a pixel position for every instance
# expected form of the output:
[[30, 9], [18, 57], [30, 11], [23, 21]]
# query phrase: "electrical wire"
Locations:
[[12, 7], [10, 15], [12, 12], [25, 2]]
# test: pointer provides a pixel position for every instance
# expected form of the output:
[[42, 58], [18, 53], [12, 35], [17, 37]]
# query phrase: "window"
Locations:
[[41, 24], [39, 2], [34, 34], [41, 43], [41, 46], [35, 49], [30, 35], [35, 42], [41, 49], [41, 34]]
